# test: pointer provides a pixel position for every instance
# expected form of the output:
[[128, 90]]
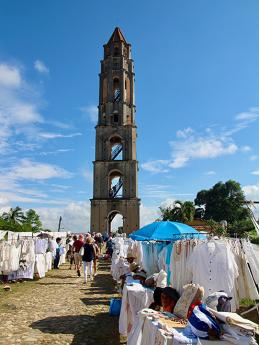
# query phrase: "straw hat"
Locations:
[[133, 266], [130, 255]]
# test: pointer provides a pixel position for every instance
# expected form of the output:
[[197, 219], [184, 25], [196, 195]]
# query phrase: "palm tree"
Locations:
[[15, 215], [179, 212]]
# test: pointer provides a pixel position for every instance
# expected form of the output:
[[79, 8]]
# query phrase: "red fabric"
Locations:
[[78, 245], [169, 308], [192, 306]]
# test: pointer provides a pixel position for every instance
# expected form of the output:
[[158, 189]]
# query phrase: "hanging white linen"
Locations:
[[134, 298], [40, 265], [213, 266]]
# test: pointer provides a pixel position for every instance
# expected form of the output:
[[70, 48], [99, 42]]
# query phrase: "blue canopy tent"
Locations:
[[165, 231]]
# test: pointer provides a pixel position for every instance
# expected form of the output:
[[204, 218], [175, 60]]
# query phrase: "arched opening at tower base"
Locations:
[[115, 222]]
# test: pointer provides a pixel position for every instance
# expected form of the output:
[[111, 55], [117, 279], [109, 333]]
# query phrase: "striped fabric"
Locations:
[[201, 321], [117, 95]]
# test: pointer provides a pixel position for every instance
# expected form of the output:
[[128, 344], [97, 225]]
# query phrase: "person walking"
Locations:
[[77, 245], [88, 258], [109, 246], [70, 253], [97, 252], [99, 240]]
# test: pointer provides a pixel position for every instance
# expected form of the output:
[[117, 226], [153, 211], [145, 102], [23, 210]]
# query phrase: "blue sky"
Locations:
[[197, 68]]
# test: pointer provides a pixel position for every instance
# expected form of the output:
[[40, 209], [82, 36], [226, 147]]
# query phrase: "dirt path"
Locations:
[[59, 309]]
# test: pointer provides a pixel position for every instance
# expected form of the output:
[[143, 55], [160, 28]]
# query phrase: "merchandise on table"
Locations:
[[218, 271], [21, 256]]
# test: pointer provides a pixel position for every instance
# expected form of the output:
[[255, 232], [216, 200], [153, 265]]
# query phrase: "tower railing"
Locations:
[[115, 189], [116, 151]]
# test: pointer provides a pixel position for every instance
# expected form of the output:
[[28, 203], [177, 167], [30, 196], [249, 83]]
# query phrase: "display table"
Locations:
[[135, 297], [148, 329]]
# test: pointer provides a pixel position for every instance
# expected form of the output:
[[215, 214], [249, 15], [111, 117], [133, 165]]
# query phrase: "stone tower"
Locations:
[[115, 188]]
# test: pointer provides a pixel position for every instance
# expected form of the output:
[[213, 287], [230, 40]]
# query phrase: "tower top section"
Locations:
[[117, 36], [117, 45], [117, 77]]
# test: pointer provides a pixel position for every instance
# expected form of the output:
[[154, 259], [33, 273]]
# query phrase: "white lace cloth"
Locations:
[[134, 298]]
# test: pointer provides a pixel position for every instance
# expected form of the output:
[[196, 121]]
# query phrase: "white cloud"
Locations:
[[60, 186], [199, 148], [253, 158], [9, 76], [255, 172], [91, 111], [159, 191], [148, 214], [19, 106], [157, 166], [27, 169], [211, 172], [46, 153], [10, 197], [75, 216], [250, 116], [47, 135], [208, 144], [41, 67], [156, 191], [252, 193], [245, 148], [184, 133]]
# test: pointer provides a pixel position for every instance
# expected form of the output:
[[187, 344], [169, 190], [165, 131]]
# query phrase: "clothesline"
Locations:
[[233, 268], [22, 258]]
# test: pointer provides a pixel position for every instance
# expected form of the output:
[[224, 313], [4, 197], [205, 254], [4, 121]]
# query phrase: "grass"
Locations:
[[17, 289], [247, 303]]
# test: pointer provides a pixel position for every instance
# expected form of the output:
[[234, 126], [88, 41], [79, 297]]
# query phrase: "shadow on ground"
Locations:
[[100, 329], [55, 283], [95, 301], [95, 327]]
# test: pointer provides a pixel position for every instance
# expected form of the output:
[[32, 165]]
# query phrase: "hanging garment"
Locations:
[[5, 257], [245, 287], [135, 335], [213, 266], [15, 252], [41, 246], [147, 255], [251, 259], [181, 252], [40, 265]]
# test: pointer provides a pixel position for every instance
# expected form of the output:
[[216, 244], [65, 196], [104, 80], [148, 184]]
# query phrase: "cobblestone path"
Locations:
[[59, 309]]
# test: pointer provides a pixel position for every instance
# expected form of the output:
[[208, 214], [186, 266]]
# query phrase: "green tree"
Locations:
[[32, 221], [241, 228], [9, 225], [15, 216], [15, 220], [179, 212], [224, 201]]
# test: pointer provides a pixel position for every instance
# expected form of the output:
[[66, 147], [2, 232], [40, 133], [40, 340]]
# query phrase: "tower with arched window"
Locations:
[[115, 167]]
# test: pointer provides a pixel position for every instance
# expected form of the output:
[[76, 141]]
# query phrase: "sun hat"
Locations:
[[133, 266], [130, 255], [89, 240]]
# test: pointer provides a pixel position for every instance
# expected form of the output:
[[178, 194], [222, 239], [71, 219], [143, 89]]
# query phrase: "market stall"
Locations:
[[134, 298], [217, 264], [24, 255]]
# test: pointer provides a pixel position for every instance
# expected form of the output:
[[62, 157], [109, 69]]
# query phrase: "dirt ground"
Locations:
[[59, 309]]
